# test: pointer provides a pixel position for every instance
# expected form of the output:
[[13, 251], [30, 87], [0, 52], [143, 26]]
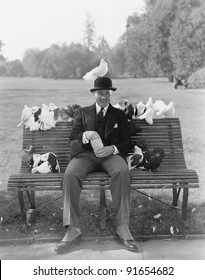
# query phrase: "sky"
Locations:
[[28, 24]]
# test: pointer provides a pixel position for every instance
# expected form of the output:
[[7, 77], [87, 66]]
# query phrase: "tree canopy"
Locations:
[[167, 38]]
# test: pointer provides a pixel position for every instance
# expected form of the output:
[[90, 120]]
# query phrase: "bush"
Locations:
[[197, 79]]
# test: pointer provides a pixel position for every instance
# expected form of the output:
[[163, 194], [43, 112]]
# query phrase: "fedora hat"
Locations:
[[103, 83]]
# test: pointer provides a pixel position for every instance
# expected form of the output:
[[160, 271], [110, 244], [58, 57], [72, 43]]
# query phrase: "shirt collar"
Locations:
[[98, 109]]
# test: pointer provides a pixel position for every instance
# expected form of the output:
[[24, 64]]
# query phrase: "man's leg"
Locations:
[[75, 172], [120, 182], [120, 186]]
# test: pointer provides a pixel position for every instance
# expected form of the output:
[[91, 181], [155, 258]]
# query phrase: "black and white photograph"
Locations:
[[102, 134]]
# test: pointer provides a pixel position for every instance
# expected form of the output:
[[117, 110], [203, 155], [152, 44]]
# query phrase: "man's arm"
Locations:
[[124, 141], [78, 130]]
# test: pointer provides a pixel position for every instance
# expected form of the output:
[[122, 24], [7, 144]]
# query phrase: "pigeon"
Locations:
[[26, 114], [167, 111], [135, 159], [99, 71], [148, 114], [152, 159], [122, 104], [66, 113], [33, 122], [159, 105], [49, 116], [46, 163], [139, 109], [125, 106], [69, 112]]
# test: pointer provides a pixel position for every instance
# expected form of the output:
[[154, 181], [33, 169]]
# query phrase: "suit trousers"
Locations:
[[120, 185]]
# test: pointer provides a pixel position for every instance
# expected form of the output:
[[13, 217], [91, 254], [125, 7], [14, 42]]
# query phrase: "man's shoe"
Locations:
[[130, 245], [64, 246]]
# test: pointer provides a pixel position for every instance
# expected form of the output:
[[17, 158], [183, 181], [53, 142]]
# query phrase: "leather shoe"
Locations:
[[64, 246], [130, 245]]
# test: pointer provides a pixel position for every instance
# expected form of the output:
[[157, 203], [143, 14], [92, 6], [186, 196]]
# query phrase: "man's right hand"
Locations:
[[91, 135]]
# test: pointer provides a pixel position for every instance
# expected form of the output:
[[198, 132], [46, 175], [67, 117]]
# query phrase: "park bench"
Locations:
[[164, 133]]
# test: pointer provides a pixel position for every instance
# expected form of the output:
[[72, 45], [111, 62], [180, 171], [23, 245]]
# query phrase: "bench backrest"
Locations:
[[164, 133]]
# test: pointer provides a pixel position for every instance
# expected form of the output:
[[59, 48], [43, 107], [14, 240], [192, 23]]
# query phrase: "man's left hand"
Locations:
[[105, 152]]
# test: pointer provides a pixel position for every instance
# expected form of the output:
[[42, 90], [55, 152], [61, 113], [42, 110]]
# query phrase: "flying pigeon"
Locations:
[[99, 71]]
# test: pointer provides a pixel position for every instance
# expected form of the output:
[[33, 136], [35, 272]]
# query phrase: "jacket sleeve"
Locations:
[[124, 138], [78, 130]]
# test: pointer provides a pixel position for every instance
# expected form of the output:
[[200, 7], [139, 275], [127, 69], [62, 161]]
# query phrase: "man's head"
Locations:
[[102, 90]]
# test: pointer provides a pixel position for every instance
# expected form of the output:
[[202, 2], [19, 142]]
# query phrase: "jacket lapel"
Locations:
[[110, 120], [90, 117]]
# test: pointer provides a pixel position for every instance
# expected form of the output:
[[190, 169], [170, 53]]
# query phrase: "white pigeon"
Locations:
[[55, 109], [148, 114], [43, 168], [140, 107], [26, 114], [47, 118], [49, 121], [122, 104], [168, 111], [99, 71], [135, 159], [43, 115], [159, 105], [31, 124], [52, 107]]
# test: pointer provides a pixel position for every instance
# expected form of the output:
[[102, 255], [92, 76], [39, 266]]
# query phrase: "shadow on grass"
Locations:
[[148, 217]]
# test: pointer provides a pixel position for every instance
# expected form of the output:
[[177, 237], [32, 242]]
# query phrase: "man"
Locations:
[[100, 120]]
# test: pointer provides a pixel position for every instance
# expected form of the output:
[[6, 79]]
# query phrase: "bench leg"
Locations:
[[102, 209], [31, 197], [23, 210], [184, 203], [176, 193]]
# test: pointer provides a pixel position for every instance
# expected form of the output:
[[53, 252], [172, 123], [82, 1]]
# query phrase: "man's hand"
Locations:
[[91, 135], [105, 152]]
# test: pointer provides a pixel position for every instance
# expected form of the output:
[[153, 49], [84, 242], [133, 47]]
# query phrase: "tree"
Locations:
[[102, 49], [187, 38], [161, 15], [1, 45], [118, 59], [2, 61], [15, 68], [137, 42], [89, 38], [32, 61]]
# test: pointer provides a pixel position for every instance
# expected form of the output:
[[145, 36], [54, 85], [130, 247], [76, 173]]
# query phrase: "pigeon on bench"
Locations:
[[45, 163]]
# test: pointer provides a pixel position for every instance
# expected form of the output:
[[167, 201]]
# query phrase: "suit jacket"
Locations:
[[116, 127]]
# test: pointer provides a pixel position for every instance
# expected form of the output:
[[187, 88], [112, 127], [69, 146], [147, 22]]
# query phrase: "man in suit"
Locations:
[[100, 120]]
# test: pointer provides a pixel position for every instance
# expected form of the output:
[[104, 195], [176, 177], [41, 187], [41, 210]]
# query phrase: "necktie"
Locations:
[[101, 123], [100, 114]]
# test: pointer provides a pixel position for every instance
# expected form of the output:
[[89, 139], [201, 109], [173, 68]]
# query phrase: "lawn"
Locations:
[[189, 105]]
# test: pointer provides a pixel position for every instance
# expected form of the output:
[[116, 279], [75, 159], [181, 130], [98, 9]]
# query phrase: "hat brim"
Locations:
[[99, 88]]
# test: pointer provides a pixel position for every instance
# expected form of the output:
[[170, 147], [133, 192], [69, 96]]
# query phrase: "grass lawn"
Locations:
[[189, 105]]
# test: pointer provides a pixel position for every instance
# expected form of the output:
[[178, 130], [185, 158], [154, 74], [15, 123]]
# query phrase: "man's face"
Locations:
[[102, 97]]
